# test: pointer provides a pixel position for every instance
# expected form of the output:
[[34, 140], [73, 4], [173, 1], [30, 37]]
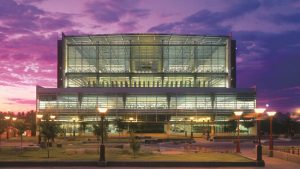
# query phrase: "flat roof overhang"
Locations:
[[154, 91]]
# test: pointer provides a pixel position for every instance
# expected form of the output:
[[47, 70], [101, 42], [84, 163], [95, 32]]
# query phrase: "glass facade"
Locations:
[[91, 102], [153, 77], [154, 62]]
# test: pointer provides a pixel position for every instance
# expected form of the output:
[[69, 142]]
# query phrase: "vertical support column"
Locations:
[[195, 57], [168, 100], [97, 65], [130, 57], [60, 66], [162, 57], [212, 97], [232, 77], [124, 101]]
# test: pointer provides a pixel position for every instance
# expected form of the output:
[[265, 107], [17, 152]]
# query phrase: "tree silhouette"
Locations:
[[49, 129], [21, 126]]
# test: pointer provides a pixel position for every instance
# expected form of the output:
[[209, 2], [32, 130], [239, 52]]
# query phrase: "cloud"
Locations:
[[115, 11], [207, 21], [28, 43], [285, 18], [25, 19], [266, 58], [21, 101]]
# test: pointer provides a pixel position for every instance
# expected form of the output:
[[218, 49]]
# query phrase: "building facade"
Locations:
[[173, 83]]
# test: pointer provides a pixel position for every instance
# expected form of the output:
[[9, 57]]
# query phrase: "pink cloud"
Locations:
[[21, 101]]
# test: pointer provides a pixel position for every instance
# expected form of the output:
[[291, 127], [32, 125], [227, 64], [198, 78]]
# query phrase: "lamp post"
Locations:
[[192, 134], [129, 125], [259, 112], [102, 112], [271, 114], [7, 129], [208, 129], [39, 117], [238, 115], [73, 127]]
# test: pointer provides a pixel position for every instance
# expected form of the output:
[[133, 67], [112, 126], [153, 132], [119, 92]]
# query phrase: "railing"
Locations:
[[290, 150]]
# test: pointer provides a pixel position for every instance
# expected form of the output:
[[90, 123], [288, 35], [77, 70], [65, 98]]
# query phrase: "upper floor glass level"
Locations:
[[140, 60]]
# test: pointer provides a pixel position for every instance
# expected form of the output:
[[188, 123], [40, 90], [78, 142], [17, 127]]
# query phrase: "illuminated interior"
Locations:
[[159, 79], [154, 61]]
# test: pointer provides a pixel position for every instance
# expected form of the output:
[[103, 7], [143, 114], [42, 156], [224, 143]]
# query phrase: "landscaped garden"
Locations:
[[116, 150]]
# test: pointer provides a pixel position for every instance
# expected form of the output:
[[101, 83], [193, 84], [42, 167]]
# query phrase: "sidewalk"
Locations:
[[271, 162]]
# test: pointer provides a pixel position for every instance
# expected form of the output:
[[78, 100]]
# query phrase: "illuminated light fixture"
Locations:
[[52, 117], [192, 118], [238, 113], [131, 118], [259, 110], [7, 117], [39, 116], [271, 113], [14, 118], [102, 110]]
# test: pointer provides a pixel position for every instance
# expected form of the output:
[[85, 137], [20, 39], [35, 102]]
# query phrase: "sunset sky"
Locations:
[[267, 34]]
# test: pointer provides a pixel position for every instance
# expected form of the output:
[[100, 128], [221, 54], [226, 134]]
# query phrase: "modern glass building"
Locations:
[[162, 81]]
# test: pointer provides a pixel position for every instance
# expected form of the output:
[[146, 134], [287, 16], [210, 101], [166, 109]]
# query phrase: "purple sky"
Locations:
[[267, 34]]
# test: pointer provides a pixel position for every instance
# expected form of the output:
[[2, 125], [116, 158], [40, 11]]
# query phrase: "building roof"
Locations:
[[167, 39]]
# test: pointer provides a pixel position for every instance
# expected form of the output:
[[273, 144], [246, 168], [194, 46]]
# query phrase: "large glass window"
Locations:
[[225, 102], [146, 59], [114, 59], [210, 59], [146, 102], [81, 59], [67, 102], [178, 59]]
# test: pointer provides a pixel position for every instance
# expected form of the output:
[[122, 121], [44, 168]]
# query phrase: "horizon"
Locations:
[[266, 32]]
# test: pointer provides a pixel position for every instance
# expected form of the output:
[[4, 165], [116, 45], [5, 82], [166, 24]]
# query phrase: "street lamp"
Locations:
[[7, 129], [259, 112], [39, 117], [271, 114], [192, 134], [129, 126], [52, 117], [102, 112], [238, 115]]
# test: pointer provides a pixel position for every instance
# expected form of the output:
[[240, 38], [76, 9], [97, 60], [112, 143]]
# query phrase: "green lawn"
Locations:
[[8, 154], [76, 149]]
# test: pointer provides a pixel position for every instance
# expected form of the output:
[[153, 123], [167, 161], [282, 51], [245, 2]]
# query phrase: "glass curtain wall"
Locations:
[[222, 102], [161, 65]]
